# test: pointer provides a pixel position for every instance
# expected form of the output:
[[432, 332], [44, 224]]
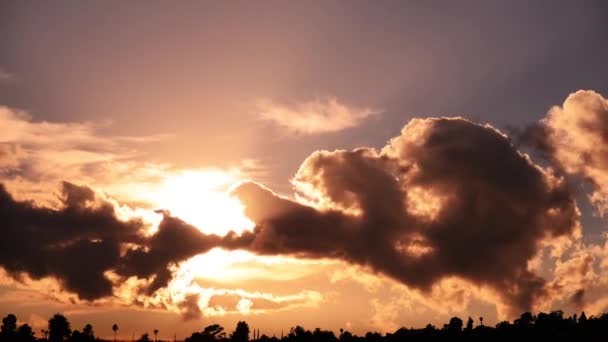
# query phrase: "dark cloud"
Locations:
[[286, 226], [190, 308], [83, 239], [445, 198], [75, 244], [535, 136], [174, 241]]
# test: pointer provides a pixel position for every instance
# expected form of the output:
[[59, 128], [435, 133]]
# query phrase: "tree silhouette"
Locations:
[[211, 333], [25, 334], [373, 336], [87, 332], [552, 326], [583, 318], [215, 331], [76, 336], [9, 326], [455, 324], [345, 336], [195, 337], [59, 328], [115, 328], [525, 323], [155, 335], [241, 333]]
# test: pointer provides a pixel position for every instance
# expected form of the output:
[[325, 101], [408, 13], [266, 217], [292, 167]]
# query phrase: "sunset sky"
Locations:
[[363, 165]]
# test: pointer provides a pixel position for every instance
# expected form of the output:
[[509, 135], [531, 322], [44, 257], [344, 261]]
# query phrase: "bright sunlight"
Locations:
[[201, 198]]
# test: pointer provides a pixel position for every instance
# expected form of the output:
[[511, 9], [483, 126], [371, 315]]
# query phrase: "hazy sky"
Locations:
[[160, 104]]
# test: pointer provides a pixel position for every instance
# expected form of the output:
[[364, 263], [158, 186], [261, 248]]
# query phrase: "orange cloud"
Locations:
[[577, 134], [36, 156]]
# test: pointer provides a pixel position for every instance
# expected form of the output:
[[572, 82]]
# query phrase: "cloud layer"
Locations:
[[423, 209], [445, 198], [35, 156], [446, 201], [313, 117]]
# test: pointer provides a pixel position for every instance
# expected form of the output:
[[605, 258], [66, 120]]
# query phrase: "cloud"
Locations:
[[313, 117], [6, 76], [446, 198], [573, 277], [74, 234], [573, 138], [36, 156], [77, 244], [226, 301], [190, 308], [188, 294], [74, 244], [237, 267], [393, 303], [446, 202], [174, 241], [82, 251], [83, 239], [579, 276], [576, 136]]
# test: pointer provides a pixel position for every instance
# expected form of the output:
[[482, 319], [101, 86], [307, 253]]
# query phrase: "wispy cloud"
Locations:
[[38, 155], [313, 117], [6, 76]]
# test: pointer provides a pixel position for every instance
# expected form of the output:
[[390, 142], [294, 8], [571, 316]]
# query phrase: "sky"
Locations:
[[358, 165]]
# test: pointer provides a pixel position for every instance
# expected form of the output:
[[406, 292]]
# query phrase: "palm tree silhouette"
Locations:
[[115, 327]]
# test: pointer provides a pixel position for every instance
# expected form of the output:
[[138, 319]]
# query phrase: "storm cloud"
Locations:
[[445, 198]]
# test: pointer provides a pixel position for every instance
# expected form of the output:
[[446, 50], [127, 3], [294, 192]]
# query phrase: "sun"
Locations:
[[201, 198]]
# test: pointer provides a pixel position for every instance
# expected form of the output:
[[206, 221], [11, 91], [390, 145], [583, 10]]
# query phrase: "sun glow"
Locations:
[[219, 272], [226, 266], [201, 198]]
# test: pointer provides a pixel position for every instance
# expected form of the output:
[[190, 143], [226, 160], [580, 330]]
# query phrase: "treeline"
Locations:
[[527, 326]]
